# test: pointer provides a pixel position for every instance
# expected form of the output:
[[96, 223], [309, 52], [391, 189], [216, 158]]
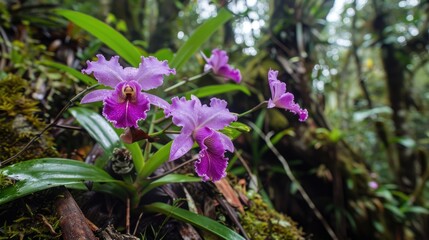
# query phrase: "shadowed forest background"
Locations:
[[360, 68]]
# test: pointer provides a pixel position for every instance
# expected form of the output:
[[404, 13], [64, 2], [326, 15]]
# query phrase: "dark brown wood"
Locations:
[[72, 221]]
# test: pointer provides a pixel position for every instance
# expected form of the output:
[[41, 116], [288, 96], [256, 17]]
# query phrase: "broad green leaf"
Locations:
[[164, 54], [235, 129], [137, 154], [199, 221], [97, 127], [84, 78], [156, 160], [39, 174], [170, 178], [109, 36], [198, 37], [217, 89]]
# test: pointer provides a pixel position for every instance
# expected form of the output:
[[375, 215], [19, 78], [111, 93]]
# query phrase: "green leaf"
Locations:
[[97, 127], [170, 178], [235, 129], [109, 36], [39, 174], [417, 209], [84, 78], [217, 89], [137, 154], [199, 221], [198, 37], [156, 160], [164, 54]]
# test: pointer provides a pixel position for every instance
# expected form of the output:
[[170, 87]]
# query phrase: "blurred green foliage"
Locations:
[[337, 57]]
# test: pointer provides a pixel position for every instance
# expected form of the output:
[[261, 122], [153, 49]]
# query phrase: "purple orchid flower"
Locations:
[[127, 104], [282, 99], [200, 123], [218, 62]]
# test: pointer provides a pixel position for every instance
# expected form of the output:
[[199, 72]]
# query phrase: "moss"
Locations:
[[19, 122], [32, 218], [262, 223]]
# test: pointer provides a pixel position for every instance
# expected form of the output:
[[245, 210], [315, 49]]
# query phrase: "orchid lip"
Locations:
[[129, 93]]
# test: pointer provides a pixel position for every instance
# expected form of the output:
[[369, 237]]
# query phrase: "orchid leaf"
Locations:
[[199, 221], [39, 174], [99, 129], [156, 160], [198, 37], [137, 155], [108, 35], [75, 73], [170, 178], [235, 129], [217, 89]]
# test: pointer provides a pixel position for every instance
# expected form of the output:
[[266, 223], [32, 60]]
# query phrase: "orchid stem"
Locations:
[[162, 131], [257, 107], [148, 144], [186, 80]]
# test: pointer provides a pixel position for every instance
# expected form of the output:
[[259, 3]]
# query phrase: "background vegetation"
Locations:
[[361, 68]]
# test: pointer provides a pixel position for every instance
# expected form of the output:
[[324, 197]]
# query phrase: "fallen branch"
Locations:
[[72, 221]]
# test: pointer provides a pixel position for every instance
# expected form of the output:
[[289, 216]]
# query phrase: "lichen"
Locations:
[[261, 222], [19, 122]]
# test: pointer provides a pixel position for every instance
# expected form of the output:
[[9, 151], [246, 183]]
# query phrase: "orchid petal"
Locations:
[[228, 72], [157, 101], [124, 112], [270, 104], [180, 146], [151, 71], [217, 116], [227, 142], [184, 113], [282, 99], [277, 88], [303, 115], [218, 62], [108, 73], [286, 101], [96, 95], [212, 163], [218, 59]]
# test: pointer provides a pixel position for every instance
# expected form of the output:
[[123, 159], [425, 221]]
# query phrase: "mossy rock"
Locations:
[[261, 222], [19, 122]]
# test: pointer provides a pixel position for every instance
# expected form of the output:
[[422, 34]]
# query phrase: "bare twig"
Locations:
[[251, 175], [127, 216], [186, 80], [291, 176], [137, 223], [172, 170]]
